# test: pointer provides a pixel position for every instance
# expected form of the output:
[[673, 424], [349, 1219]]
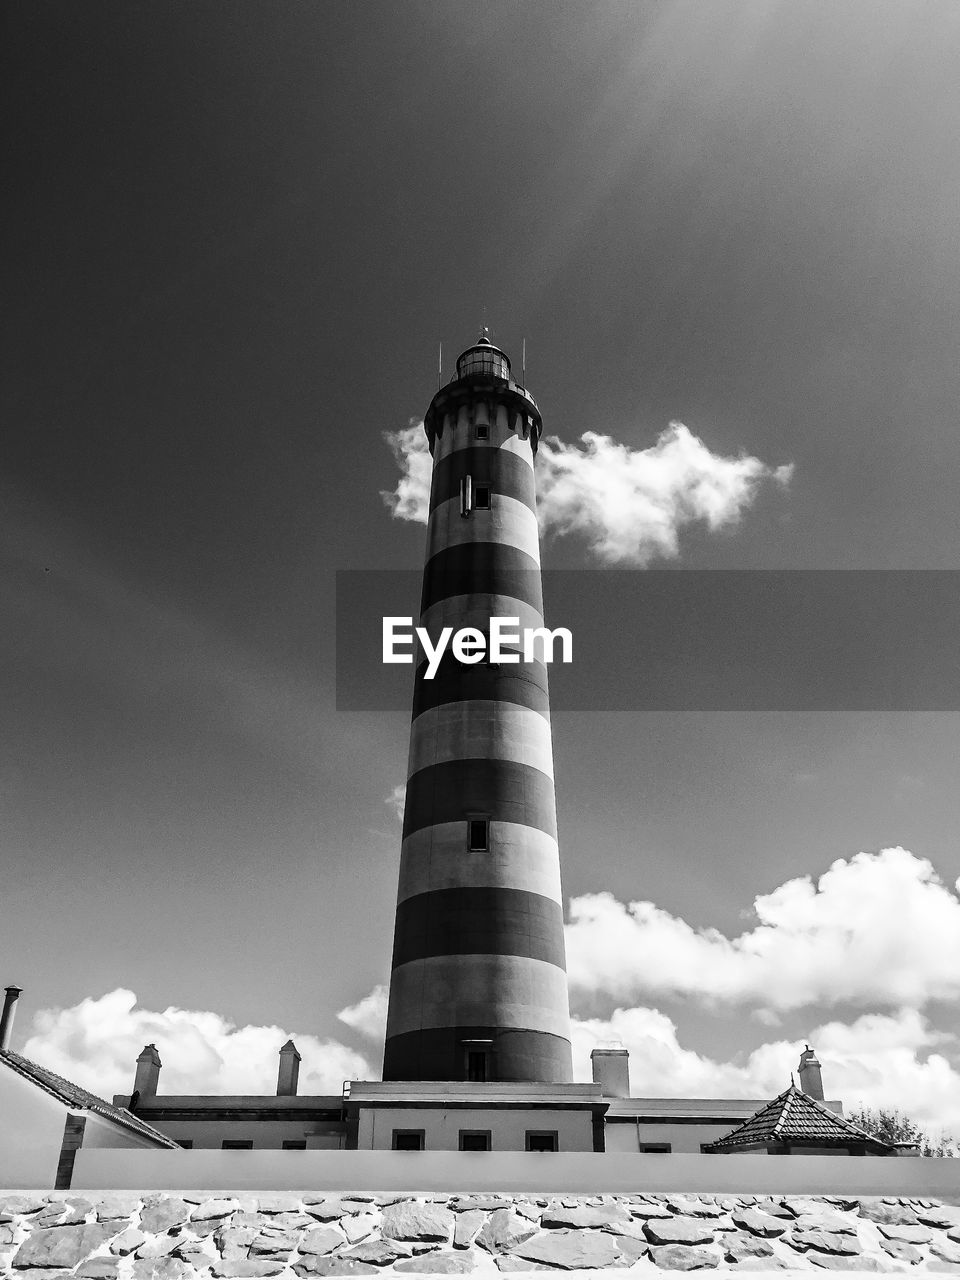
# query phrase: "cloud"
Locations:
[[411, 498], [396, 799], [369, 1015], [879, 929], [95, 1043], [629, 504], [878, 1060]]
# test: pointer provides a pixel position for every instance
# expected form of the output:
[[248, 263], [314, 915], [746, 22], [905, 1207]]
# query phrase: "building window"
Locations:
[[294, 1144], [236, 1144], [408, 1140], [542, 1140], [482, 431], [481, 497], [474, 1139], [477, 1065], [478, 835], [655, 1148], [186, 1143]]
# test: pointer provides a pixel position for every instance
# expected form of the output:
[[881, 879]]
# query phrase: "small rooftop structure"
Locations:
[[793, 1123]]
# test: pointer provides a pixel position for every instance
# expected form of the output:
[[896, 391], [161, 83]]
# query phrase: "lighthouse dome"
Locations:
[[483, 359]]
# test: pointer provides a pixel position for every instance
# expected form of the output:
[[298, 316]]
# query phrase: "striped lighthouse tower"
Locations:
[[478, 989]]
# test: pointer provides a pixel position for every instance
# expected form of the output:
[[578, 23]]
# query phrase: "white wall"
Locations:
[[442, 1127], [265, 1134], [684, 1139], [31, 1133], [452, 1171]]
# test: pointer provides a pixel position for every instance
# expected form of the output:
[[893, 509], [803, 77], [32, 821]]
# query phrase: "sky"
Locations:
[[234, 238]]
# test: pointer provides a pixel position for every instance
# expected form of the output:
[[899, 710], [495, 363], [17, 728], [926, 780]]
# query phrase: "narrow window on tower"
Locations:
[[478, 835], [482, 431], [481, 497], [476, 1064]]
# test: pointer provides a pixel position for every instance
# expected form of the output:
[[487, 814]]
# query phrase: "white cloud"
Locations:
[[396, 799], [878, 1060], [879, 929], [95, 1043], [411, 498], [629, 504], [369, 1015]]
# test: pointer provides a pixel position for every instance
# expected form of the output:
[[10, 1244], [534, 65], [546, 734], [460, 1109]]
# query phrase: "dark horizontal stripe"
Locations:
[[479, 921], [502, 469], [515, 1055], [474, 568], [503, 790], [524, 684]]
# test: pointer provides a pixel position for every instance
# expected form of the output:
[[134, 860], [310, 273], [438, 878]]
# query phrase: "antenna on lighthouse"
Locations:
[[440, 366], [523, 363]]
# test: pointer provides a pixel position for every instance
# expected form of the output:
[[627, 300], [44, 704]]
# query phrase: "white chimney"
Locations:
[[148, 1073], [6, 1018], [809, 1072], [289, 1073], [611, 1071]]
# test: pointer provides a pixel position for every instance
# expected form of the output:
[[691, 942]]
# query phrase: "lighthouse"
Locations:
[[478, 988]]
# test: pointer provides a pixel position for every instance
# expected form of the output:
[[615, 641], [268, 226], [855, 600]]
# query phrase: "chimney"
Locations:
[[148, 1073], [809, 1072], [611, 1071], [6, 1018], [289, 1072]]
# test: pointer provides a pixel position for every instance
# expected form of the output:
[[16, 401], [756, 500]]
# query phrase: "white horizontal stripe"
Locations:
[[480, 729], [461, 435], [478, 990], [509, 522], [519, 857]]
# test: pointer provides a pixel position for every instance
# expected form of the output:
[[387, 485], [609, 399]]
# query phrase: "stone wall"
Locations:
[[166, 1236]]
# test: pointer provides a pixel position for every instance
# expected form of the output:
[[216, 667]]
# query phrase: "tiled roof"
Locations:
[[65, 1091], [797, 1119]]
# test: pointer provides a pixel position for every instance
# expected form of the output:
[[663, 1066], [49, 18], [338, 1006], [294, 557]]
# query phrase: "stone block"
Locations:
[[60, 1246], [98, 1269], [679, 1231], [503, 1230], [333, 1267], [571, 1250], [758, 1223], [322, 1240], [901, 1251], [358, 1226], [467, 1224], [943, 1249], [834, 1242], [585, 1216], [912, 1235], [440, 1263], [412, 1221], [891, 1215], [682, 1257], [163, 1213]]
